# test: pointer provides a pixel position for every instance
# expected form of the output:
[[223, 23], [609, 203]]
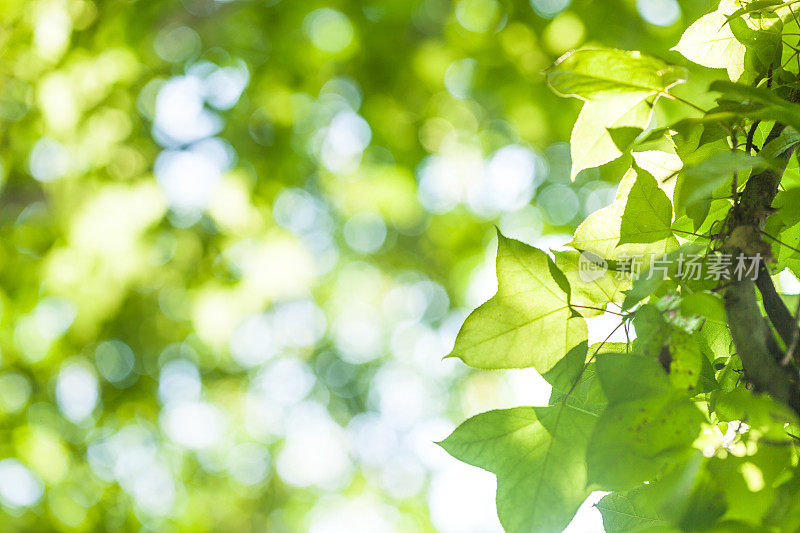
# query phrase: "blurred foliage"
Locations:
[[238, 236]]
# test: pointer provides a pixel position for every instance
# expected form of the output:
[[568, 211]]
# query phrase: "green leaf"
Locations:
[[787, 204], [592, 143], [594, 74], [574, 381], [785, 252], [686, 362], [716, 339], [650, 433], [663, 166], [600, 233], [651, 331], [765, 416], [685, 498], [587, 394], [537, 454], [647, 217], [624, 136], [704, 304], [759, 103], [785, 226], [663, 269], [757, 6], [688, 495], [734, 527], [710, 42], [647, 422], [785, 512], [716, 212], [697, 183], [714, 336], [749, 482], [696, 140], [528, 323], [596, 290], [670, 305], [627, 377], [738, 44], [690, 134], [631, 512], [569, 368]]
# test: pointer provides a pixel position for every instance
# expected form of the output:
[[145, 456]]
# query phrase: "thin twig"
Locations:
[[794, 15], [683, 101], [627, 337], [586, 364], [597, 309], [692, 233], [750, 136], [779, 241], [735, 181]]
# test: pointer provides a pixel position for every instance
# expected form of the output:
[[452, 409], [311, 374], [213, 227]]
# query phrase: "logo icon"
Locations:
[[591, 267]]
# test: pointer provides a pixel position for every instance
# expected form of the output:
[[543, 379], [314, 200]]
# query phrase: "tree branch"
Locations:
[[761, 188], [756, 345], [778, 313]]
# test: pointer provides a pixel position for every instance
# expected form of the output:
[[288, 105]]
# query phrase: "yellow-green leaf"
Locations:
[[528, 323], [647, 216], [537, 454]]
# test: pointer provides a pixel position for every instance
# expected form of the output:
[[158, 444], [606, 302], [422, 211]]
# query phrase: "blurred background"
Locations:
[[237, 238]]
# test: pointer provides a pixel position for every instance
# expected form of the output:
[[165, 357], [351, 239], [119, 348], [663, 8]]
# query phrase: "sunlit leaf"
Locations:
[[663, 268], [748, 483], [710, 42], [594, 74], [648, 212], [763, 414], [528, 323], [600, 233], [592, 143], [537, 454], [596, 290], [586, 394], [631, 512], [720, 40]]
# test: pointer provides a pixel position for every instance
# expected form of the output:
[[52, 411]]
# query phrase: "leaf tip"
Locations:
[[629, 302], [446, 443]]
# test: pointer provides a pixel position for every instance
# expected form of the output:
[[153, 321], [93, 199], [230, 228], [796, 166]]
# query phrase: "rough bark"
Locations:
[[762, 360]]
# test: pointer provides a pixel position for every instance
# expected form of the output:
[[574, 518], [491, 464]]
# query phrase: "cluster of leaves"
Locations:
[[669, 423]]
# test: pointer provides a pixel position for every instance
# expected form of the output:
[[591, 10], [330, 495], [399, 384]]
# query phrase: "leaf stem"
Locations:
[[683, 101], [586, 364], [735, 181], [765, 234], [748, 147], [691, 233], [598, 309]]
